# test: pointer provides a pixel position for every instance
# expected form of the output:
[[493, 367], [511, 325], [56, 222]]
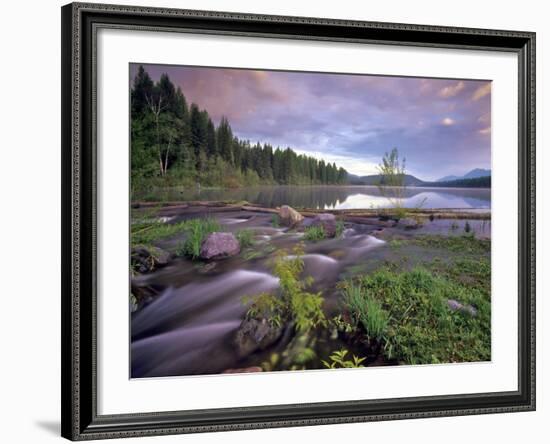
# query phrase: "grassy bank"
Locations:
[[410, 312]]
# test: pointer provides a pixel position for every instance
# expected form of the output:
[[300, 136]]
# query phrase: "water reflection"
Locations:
[[332, 197]]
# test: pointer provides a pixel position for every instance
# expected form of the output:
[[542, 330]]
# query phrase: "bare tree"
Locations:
[[156, 107], [392, 179]]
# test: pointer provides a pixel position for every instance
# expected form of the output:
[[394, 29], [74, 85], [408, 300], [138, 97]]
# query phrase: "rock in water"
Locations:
[[289, 216], [219, 245], [255, 334], [327, 221], [146, 259]]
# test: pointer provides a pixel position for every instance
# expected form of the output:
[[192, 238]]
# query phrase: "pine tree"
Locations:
[[143, 87], [167, 134], [225, 141]]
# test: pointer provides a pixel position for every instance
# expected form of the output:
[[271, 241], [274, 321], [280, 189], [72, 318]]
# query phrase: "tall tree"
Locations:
[[198, 129], [211, 144], [225, 140], [143, 87]]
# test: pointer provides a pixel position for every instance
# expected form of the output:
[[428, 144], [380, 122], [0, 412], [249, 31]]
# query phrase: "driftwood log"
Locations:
[[348, 215]]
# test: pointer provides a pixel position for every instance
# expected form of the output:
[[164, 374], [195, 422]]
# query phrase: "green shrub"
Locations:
[[293, 302], [245, 238], [340, 324], [315, 233], [338, 360]]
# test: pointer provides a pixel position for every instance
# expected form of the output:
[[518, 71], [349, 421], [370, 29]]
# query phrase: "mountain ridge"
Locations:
[[472, 174], [478, 178]]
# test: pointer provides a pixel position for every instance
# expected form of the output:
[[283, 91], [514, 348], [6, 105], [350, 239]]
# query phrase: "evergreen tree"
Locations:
[[143, 88], [168, 135], [211, 145], [225, 141], [198, 129]]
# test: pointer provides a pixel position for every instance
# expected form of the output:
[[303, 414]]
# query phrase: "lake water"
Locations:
[[333, 197]]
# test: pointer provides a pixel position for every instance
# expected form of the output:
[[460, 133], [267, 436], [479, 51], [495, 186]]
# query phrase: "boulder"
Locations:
[[454, 305], [327, 221], [254, 335], [146, 259], [219, 245], [289, 217]]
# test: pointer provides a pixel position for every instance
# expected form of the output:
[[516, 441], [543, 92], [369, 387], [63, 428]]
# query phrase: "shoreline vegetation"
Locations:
[[230, 286]]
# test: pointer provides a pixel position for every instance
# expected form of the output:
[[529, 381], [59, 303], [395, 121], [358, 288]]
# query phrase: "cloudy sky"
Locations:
[[441, 126]]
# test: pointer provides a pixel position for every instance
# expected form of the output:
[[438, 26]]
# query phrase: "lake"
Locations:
[[331, 197]]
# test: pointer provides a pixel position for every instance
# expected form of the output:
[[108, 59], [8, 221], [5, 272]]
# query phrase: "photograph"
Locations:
[[297, 221], [293, 218]]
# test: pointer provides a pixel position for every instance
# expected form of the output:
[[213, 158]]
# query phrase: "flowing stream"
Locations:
[[189, 328]]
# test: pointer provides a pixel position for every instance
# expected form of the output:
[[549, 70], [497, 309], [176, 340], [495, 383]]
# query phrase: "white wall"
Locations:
[[30, 221]]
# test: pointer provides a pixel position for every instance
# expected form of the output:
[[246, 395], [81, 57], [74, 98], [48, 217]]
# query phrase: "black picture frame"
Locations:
[[80, 420]]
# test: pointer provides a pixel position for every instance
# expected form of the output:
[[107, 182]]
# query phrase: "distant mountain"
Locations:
[[448, 178], [474, 174], [478, 172], [479, 178], [474, 182]]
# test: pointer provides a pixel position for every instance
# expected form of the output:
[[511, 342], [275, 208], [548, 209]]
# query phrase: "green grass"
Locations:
[[397, 243], [245, 238], [253, 253], [420, 328], [365, 310], [339, 228], [473, 272], [466, 244], [275, 221], [314, 234], [196, 231], [146, 232]]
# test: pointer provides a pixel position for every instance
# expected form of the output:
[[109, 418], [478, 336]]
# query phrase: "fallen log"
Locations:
[[189, 203], [259, 209], [178, 210], [172, 208]]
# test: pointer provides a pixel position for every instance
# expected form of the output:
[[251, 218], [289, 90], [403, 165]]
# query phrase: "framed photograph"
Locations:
[[279, 221]]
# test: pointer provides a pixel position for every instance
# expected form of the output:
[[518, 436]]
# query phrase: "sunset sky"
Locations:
[[440, 126]]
